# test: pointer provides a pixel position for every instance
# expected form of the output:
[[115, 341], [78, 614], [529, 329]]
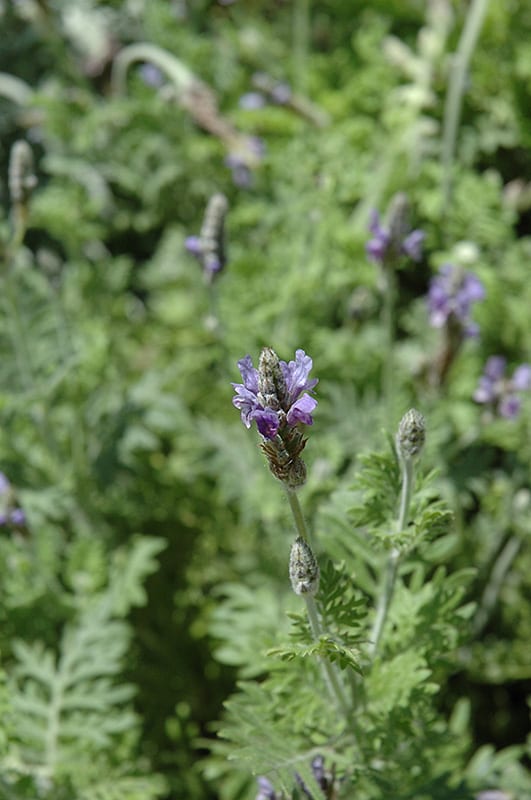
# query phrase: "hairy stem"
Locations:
[[389, 578], [300, 522], [331, 673]]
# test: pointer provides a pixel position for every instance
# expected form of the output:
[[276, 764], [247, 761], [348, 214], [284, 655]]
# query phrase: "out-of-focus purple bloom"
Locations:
[[293, 407], [251, 101], [9, 513], [5, 486], [241, 161], [386, 243], [266, 790], [493, 794], [450, 297], [17, 517], [281, 93], [499, 392], [151, 75]]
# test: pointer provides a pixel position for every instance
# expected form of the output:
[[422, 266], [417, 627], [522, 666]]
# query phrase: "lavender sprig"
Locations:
[[276, 397]]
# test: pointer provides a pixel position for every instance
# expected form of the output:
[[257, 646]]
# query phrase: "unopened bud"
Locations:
[[411, 435], [303, 568], [21, 177], [271, 381], [212, 235]]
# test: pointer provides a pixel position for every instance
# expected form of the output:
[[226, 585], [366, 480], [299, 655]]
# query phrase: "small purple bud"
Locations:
[[251, 101], [521, 380], [412, 245], [151, 75], [17, 517], [193, 245]]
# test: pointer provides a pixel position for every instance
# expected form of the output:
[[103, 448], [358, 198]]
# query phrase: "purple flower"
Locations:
[[499, 392], [251, 101], [240, 161], [450, 297], [288, 406], [17, 517], [151, 75], [266, 790], [5, 486], [386, 243]]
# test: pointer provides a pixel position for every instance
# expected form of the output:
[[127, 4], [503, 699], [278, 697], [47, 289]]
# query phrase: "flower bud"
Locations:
[[303, 568], [271, 381], [22, 180], [411, 435]]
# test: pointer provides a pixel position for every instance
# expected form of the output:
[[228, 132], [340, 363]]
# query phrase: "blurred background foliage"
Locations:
[[151, 523]]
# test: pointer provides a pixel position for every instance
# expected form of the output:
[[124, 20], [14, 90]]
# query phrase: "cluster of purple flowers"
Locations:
[[501, 393], [387, 243], [9, 514], [291, 405], [450, 298]]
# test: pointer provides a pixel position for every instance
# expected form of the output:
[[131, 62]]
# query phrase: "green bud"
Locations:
[[411, 435], [303, 568]]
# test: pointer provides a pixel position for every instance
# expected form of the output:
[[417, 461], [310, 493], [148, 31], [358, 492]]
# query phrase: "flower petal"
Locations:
[[301, 411]]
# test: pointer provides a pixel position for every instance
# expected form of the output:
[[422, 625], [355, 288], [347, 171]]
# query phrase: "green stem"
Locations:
[[389, 579], [389, 328], [300, 522], [330, 671], [301, 38], [456, 89]]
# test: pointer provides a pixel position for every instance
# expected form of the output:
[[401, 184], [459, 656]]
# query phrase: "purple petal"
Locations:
[[246, 402], [193, 245], [266, 790], [375, 226], [250, 101], [510, 406], [495, 367], [267, 422], [17, 517], [486, 391], [301, 411], [521, 380], [296, 375], [4, 484], [376, 250], [249, 374], [412, 244], [472, 288]]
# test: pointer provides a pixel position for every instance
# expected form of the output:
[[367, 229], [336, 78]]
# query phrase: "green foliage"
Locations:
[[148, 574]]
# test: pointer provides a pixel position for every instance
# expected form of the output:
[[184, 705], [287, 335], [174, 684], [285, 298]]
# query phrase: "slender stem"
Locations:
[[330, 671], [389, 328], [456, 89], [300, 522], [301, 37], [389, 579], [330, 674]]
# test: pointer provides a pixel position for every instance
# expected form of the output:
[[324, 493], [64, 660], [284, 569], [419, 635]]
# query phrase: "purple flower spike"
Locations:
[[17, 517], [251, 101], [450, 298], [392, 241], [499, 392], [294, 406]]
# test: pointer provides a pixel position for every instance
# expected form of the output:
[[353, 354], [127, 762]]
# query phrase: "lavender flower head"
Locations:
[[275, 396], [393, 240], [450, 297], [499, 392], [284, 402]]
